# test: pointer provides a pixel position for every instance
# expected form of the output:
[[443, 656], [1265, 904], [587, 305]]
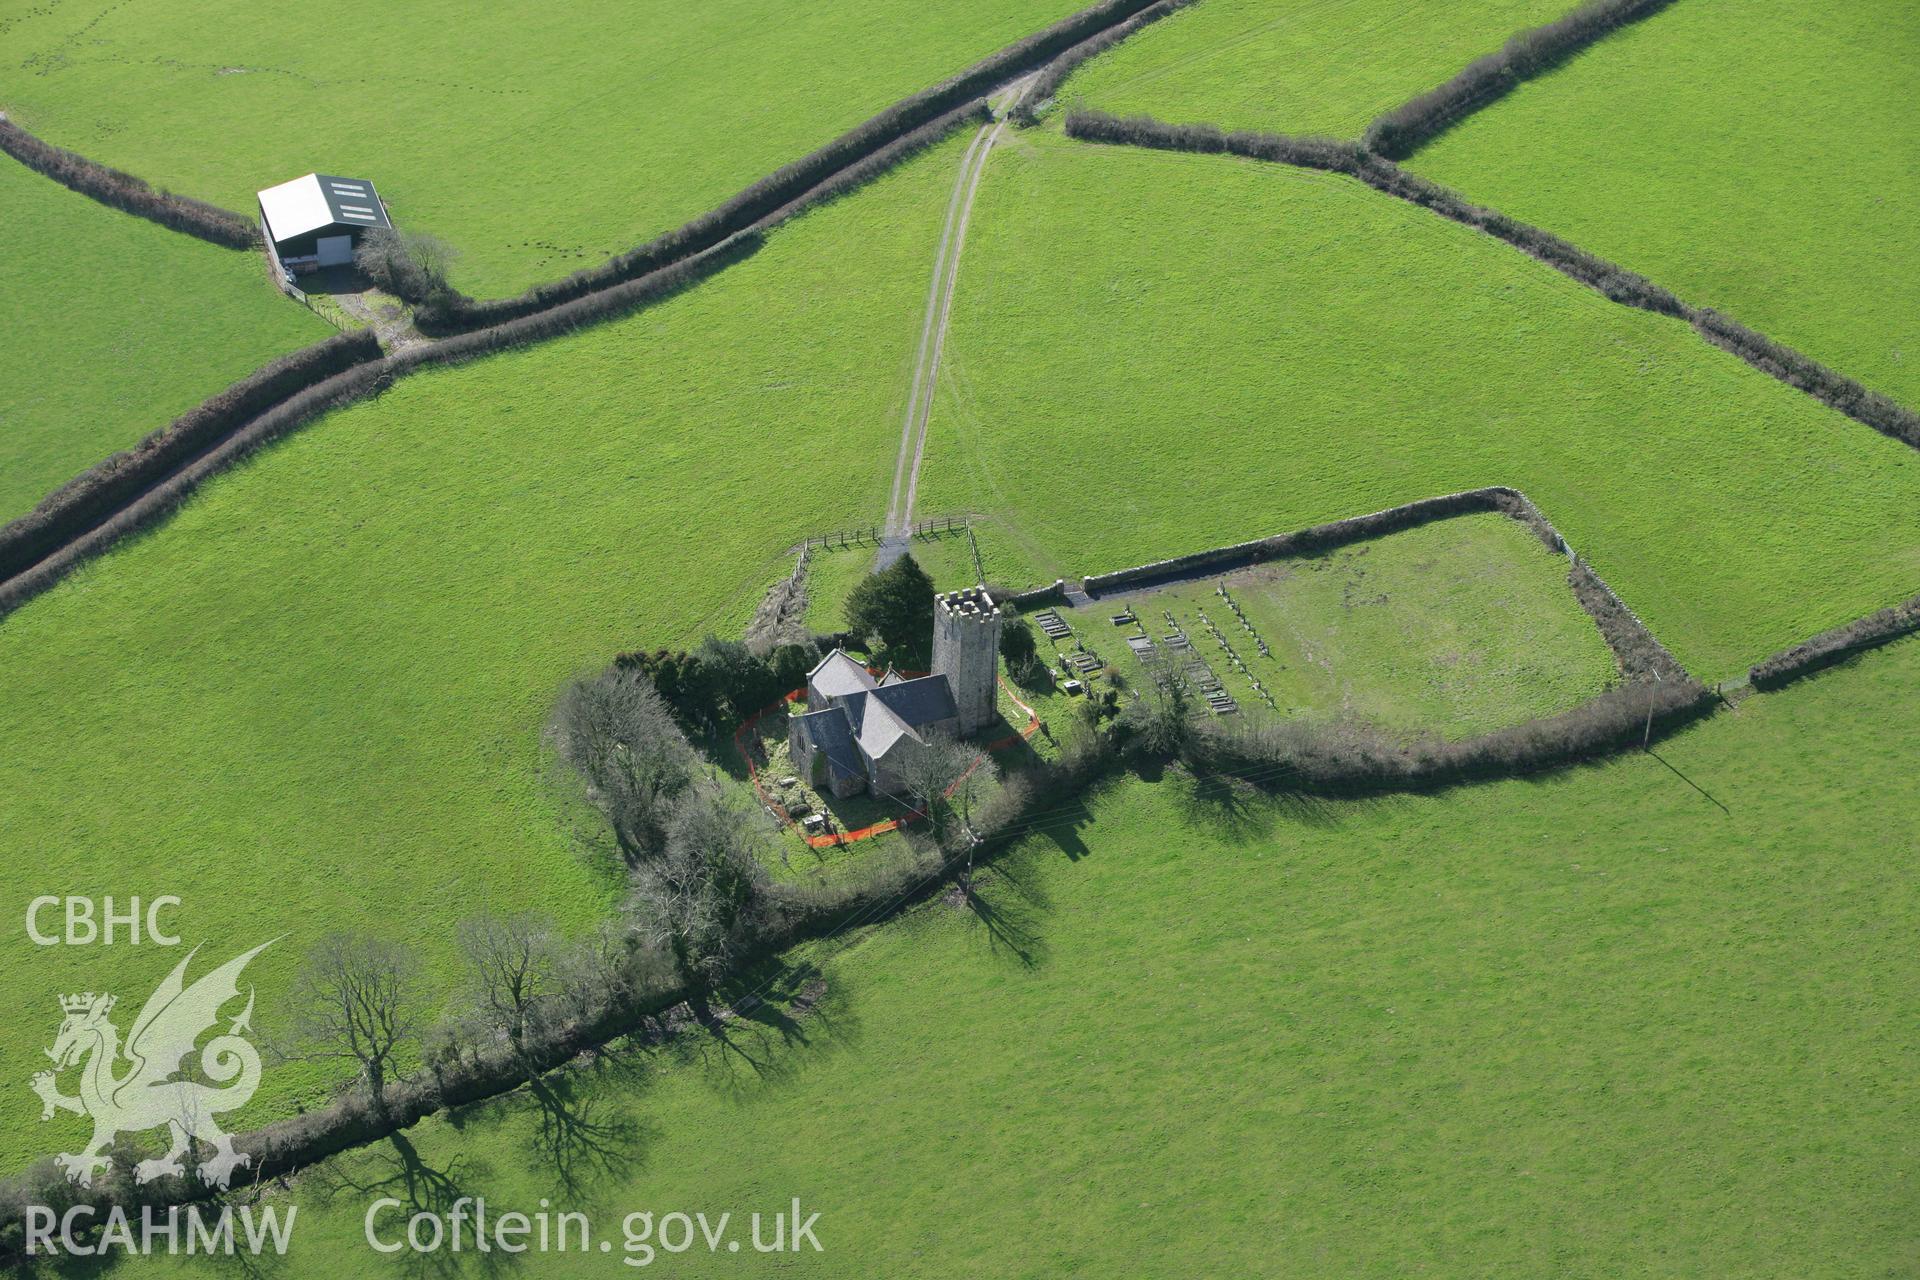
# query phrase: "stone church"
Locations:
[[858, 730]]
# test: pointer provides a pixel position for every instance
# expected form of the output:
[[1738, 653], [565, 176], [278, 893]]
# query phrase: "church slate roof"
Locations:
[[872, 722], [921, 701], [828, 732], [839, 676]]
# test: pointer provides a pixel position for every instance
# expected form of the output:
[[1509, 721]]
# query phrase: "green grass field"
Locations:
[[1299, 66], [320, 686], [537, 139], [1458, 627], [114, 326], [1753, 156], [1593, 1025], [1231, 349]]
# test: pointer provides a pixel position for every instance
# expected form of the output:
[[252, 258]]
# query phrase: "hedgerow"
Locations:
[[1830, 648], [1799, 371], [1402, 131], [1349, 759], [96, 493], [831, 171], [248, 416], [850, 159], [1356, 161], [1051, 76], [1828, 386], [127, 193]]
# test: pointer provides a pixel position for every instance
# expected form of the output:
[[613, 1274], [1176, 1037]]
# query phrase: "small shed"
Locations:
[[317, 221]]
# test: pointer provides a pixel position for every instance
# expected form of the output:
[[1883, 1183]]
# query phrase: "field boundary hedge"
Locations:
[[228, 435], [1355, 161], [35, 555], [794, 916], [127, 193], [1055, 73], [1634, 646], [846, 161], [1830, 648], [102, 489], [1803, 373], [1776, 360], [1535, 51]]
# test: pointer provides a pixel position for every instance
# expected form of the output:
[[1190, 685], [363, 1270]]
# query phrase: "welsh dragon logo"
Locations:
[[148, 1093]]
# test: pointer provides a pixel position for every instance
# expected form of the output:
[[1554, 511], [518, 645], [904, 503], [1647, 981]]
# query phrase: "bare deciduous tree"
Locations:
[[355, 999], [697, 899], [594, 972], [511, 962], [616, 733], [1161, 718], [945, 778]]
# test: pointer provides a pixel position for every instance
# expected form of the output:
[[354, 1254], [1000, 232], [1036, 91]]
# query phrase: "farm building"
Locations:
[[316, 221]]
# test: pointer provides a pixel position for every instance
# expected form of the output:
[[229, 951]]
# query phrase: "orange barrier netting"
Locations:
[[742, 735]]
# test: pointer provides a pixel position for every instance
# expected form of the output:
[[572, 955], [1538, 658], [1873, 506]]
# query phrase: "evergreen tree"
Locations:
[[894, 606]]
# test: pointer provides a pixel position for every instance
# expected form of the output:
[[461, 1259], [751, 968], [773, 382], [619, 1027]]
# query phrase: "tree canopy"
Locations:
[[894, 606]]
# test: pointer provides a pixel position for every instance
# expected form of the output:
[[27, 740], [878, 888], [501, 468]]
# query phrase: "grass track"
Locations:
[[1298, 66], [1226, 349], [318, 689], [1587, 1026], [1757, 156], [538, 139], [113, 327]]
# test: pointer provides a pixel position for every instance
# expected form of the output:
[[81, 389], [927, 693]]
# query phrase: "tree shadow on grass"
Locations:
[[581, 1135], [1240, 811], [777, 1015], [394, 1169], [1008, 902], [1061, 827]]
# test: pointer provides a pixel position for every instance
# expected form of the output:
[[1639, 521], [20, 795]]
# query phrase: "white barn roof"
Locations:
[[318, 201]]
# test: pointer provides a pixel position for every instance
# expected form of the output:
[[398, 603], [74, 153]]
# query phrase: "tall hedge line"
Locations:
[[107, 486], [117, 498], [1830, 648], [1344, 760], [795, 914], [1830, 387], [1356, 161], [1314, 540], [1409, 126], [127, 193], [911, 122], [153, 503], [829, 172], [1054, 74], [1775, 359]]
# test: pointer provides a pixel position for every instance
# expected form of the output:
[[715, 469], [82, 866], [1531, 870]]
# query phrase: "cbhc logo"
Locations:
[[86, 926]]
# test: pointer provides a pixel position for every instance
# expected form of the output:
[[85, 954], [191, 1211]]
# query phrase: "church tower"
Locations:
[[966, 650]]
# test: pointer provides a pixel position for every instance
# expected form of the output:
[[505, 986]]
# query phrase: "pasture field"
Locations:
[[1588, 1025], [1298, 66], [114, 326], [320, 686], [1230, 349], [1457, 627], [1753, 156], [537, 139]]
